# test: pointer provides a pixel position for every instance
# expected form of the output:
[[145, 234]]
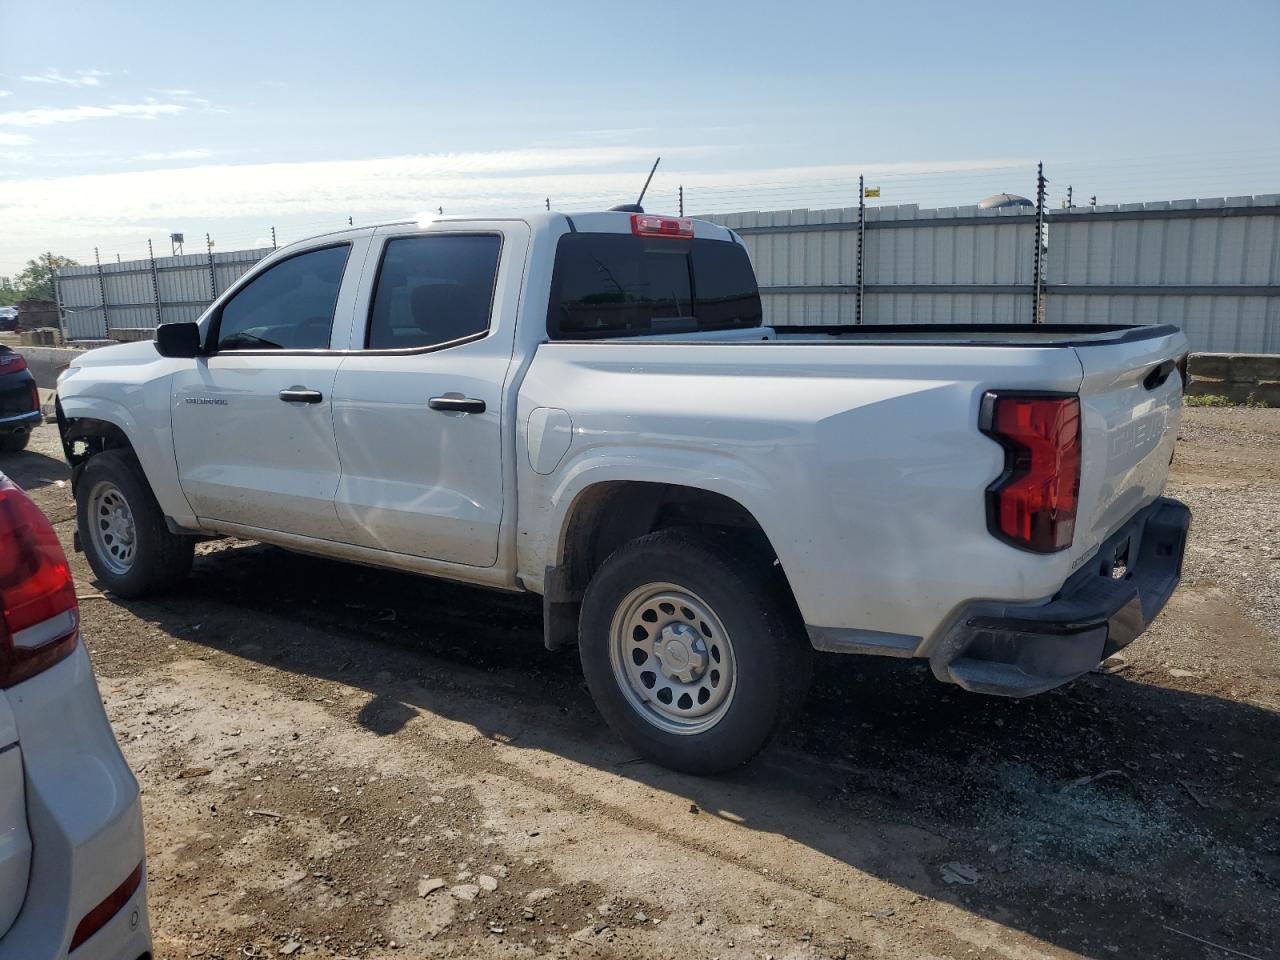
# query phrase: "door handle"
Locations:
[[456, 404], [301, 395]]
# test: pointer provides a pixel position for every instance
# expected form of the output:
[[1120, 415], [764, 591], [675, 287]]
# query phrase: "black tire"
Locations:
[[160, 559], [746, 592], [14, 442]]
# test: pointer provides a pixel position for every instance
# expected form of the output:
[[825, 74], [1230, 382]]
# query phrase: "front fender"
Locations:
[[152, 442]]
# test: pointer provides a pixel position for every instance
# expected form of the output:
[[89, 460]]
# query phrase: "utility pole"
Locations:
[[862, 234], [682, 199], [1042, 247]]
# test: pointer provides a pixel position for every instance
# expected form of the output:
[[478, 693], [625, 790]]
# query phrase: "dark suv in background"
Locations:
[[19, 401]]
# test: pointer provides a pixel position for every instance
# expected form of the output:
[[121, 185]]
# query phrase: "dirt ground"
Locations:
[[342, 762]]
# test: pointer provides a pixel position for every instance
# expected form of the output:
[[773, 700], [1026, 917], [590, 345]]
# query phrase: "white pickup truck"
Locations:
[[589, 407]]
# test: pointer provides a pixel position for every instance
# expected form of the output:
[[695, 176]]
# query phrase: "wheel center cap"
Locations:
[[679, 652]]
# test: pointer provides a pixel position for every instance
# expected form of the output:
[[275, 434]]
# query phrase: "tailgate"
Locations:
[[1131, 405], [15, 841]]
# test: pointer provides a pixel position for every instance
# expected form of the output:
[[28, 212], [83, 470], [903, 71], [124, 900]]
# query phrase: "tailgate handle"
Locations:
[[1159, 374]]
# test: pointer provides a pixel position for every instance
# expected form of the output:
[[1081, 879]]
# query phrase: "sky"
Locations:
[[125, 122]]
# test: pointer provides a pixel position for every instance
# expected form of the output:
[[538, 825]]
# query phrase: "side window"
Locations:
[[289, 307], [432, 290]]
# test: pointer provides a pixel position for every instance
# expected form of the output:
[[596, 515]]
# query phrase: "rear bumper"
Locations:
[[85, 820], [23, 422], [1017, 650]]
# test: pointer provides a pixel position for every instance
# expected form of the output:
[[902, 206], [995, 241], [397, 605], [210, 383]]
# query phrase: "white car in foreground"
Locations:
[[590, 407], [72, 870]]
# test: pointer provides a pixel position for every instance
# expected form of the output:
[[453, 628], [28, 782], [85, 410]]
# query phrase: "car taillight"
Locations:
[[1032, 505], [12, 363], [649, 225], [39, 618], [101, 915]]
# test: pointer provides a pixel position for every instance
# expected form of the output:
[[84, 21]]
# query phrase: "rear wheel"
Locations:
[[692, 650], [14, 442], [123, 531]]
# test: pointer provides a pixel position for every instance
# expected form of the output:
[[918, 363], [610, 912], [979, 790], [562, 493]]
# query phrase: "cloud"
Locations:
[[46, 116], [14, 140], [82, 78], [196, 154], [76, 212], [6, 93]]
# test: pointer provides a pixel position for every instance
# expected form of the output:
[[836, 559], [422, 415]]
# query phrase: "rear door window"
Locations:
[[618, 285], [433, 290]]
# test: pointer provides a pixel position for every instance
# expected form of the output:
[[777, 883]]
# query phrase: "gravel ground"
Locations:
[[342, 762]]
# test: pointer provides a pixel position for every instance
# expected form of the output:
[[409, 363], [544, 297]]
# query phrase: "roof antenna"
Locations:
[[635, 207]]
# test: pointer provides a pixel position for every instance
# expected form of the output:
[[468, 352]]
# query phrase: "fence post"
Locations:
[[213, 277], [155, 279], [57, 299], [1042, 248], [862, 236], [102, 294]]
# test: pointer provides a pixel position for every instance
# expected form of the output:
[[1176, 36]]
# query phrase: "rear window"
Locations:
[[620, 285]]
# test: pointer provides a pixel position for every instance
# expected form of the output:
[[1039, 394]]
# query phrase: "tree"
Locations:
[[8, 292], [35, 280]]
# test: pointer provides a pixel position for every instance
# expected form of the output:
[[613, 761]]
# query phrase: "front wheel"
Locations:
[[692, 650], [122, 529]]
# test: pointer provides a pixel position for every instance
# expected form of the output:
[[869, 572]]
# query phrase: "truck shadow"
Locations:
[[1094, 817], [31, 470]]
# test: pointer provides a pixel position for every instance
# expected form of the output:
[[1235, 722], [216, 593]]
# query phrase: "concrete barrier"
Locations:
[[45, 363], [1240, 377]]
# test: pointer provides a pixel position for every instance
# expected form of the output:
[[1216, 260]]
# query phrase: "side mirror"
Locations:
[[178, 339]]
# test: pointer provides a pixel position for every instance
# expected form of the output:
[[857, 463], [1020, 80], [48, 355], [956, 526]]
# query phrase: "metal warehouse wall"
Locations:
[[185, 285], [1210, 266]]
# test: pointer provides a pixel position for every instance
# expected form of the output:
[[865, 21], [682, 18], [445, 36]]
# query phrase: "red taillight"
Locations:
[[39, 619], [649, 225], [101, 915], [12, 362], [1033, 503]]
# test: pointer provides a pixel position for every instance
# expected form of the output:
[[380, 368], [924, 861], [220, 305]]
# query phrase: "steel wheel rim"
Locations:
[[672, 658], [112, 528]]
